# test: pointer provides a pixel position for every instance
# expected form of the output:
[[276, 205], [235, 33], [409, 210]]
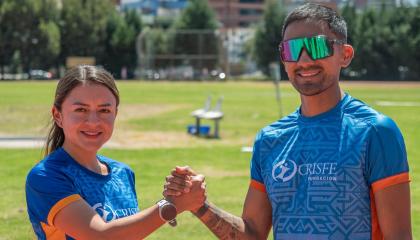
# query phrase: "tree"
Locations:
[[405, 26], [133, 20], [364, 58], [83, 25], [197, 15], [414, 44], [121, 35], [185, 40], [49, 45], [268, 36], [349, 14], [6, 34], [29, 30], [387, 43], [157, 42]]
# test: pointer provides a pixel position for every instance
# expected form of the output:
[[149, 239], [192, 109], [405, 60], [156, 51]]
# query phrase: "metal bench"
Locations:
[[214, 114]]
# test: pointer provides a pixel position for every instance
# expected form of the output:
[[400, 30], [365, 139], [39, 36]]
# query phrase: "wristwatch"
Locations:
[[167, 212]]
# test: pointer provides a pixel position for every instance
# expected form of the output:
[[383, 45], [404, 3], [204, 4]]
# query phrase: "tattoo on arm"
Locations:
[[223, 224]]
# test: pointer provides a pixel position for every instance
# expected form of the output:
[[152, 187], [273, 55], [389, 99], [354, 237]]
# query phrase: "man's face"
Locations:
[[312, 77]]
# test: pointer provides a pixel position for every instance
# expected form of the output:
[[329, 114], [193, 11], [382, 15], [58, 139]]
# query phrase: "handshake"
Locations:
[[185, 189]]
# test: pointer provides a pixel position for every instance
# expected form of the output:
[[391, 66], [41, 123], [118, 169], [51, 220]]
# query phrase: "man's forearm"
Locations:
[[223, 224]]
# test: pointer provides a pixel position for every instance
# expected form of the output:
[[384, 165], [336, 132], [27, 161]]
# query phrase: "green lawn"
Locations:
[[152, 124]]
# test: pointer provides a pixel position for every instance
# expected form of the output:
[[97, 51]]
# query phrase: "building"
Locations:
[[230, 13], [292, 4], [363, 4], [150, 9], [237, 13], [359, 4]]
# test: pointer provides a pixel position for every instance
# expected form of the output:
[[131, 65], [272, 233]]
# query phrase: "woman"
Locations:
[[74, 193]]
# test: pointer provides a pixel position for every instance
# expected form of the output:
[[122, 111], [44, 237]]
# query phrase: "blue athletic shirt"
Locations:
[[59, 180], [320, 173]]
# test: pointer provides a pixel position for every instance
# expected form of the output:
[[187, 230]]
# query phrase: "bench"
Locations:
[[207, 113]]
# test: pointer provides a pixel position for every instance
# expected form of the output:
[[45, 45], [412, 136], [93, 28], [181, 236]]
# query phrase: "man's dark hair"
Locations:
[[318, 13]]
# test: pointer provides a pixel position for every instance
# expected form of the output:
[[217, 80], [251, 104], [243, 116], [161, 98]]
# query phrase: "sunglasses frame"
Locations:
[[329, 41]]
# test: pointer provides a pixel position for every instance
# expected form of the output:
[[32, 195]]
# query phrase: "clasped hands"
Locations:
[[185, 189]]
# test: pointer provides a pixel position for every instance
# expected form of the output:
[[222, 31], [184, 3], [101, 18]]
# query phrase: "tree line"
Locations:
[[386, 41], [41, 34]]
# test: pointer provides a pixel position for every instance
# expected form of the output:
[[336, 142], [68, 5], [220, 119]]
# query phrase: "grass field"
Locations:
[[151, 133]]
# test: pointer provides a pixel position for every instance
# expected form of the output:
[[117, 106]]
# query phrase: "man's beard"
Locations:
[[309, 88], [312, 87]]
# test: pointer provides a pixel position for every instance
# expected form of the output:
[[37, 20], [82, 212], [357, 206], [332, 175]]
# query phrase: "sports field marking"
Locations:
[[397, 104], [246, 149], [9, 142], [382, 84]]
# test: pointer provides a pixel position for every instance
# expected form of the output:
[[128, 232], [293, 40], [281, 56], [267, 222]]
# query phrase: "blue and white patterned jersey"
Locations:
[[59, 180], [320, 173]]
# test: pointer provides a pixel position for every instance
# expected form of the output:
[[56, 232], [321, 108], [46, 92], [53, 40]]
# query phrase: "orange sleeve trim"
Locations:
[[389, 181], [258, 186], [52, 233], [60, 205]]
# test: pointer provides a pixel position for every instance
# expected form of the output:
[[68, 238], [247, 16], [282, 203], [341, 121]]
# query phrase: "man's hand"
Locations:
[[185, 189], [180, 181]]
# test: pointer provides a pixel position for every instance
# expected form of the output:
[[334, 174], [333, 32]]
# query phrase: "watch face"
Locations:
[[168, 212]]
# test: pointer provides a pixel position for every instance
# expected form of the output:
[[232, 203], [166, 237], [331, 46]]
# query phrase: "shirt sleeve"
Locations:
[[132, 178], [47, 192], [386, 155], [257, 181]]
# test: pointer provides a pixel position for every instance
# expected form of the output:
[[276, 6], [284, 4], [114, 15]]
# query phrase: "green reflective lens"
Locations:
[[317, 47], [295, 47]]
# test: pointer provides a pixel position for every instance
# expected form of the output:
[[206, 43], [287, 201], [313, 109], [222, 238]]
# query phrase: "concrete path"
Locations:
[[35, 142], [21, 142]]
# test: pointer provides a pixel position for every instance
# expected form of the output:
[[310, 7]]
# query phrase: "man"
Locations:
[[333, 169]]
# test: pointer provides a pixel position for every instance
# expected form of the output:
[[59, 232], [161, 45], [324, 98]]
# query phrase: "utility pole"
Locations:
[[227, 42]]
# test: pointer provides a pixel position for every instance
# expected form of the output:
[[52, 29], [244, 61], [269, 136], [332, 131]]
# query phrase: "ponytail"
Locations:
[[55, 138]]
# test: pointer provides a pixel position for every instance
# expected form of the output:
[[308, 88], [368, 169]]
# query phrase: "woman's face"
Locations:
[[87, 117]]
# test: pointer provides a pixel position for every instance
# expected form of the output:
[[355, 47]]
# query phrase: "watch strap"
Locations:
[[161, 204]]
